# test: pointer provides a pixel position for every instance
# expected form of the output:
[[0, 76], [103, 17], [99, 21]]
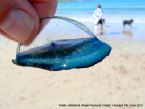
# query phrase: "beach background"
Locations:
[[118, 79]]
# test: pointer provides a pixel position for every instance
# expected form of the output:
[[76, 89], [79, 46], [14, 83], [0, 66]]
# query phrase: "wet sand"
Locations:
[[118, 79]]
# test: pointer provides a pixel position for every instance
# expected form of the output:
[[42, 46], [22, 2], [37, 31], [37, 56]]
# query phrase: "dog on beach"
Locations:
[[127, 31], [128, 22]]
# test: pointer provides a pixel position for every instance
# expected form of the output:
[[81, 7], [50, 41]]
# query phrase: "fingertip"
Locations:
[[20, 26], [32, 35]]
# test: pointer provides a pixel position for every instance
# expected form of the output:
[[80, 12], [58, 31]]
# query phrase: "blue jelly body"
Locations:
[[65, 54]]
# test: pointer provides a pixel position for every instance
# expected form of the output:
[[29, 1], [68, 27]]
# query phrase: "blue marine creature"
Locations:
[[64, 54]]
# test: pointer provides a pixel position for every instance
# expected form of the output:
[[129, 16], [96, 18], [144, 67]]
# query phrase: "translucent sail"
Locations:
[[62, 44]]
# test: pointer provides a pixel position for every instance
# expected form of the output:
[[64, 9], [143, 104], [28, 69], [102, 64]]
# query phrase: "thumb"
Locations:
[[20, 24]]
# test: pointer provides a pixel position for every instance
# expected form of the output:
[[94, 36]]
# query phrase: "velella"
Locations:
[[62, 44]]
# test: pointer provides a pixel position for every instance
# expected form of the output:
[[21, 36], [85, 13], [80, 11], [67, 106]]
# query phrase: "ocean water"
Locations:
[[113, 10]]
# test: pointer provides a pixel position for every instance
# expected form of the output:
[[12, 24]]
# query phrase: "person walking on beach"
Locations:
[[98, 19], [21, 20]]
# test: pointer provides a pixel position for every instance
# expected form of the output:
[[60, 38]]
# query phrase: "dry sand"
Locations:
[[119, 79]]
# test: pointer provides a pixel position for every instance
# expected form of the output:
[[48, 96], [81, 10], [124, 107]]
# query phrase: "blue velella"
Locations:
[[62, 44]]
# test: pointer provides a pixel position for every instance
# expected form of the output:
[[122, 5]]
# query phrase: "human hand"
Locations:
[[20, 19]]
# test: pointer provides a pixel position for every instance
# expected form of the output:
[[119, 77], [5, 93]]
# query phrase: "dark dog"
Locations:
[[128, 22], [127, 31]]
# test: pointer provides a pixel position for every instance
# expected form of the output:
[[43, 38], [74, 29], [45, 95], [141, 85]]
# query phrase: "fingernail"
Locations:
[[18, 24]]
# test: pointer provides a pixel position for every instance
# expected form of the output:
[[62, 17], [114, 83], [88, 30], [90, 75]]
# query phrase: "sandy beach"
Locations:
[[118, 82], [118, 79]]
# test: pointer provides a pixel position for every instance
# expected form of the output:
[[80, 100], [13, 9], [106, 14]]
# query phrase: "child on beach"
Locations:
[[20, 20], [98, 19]]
